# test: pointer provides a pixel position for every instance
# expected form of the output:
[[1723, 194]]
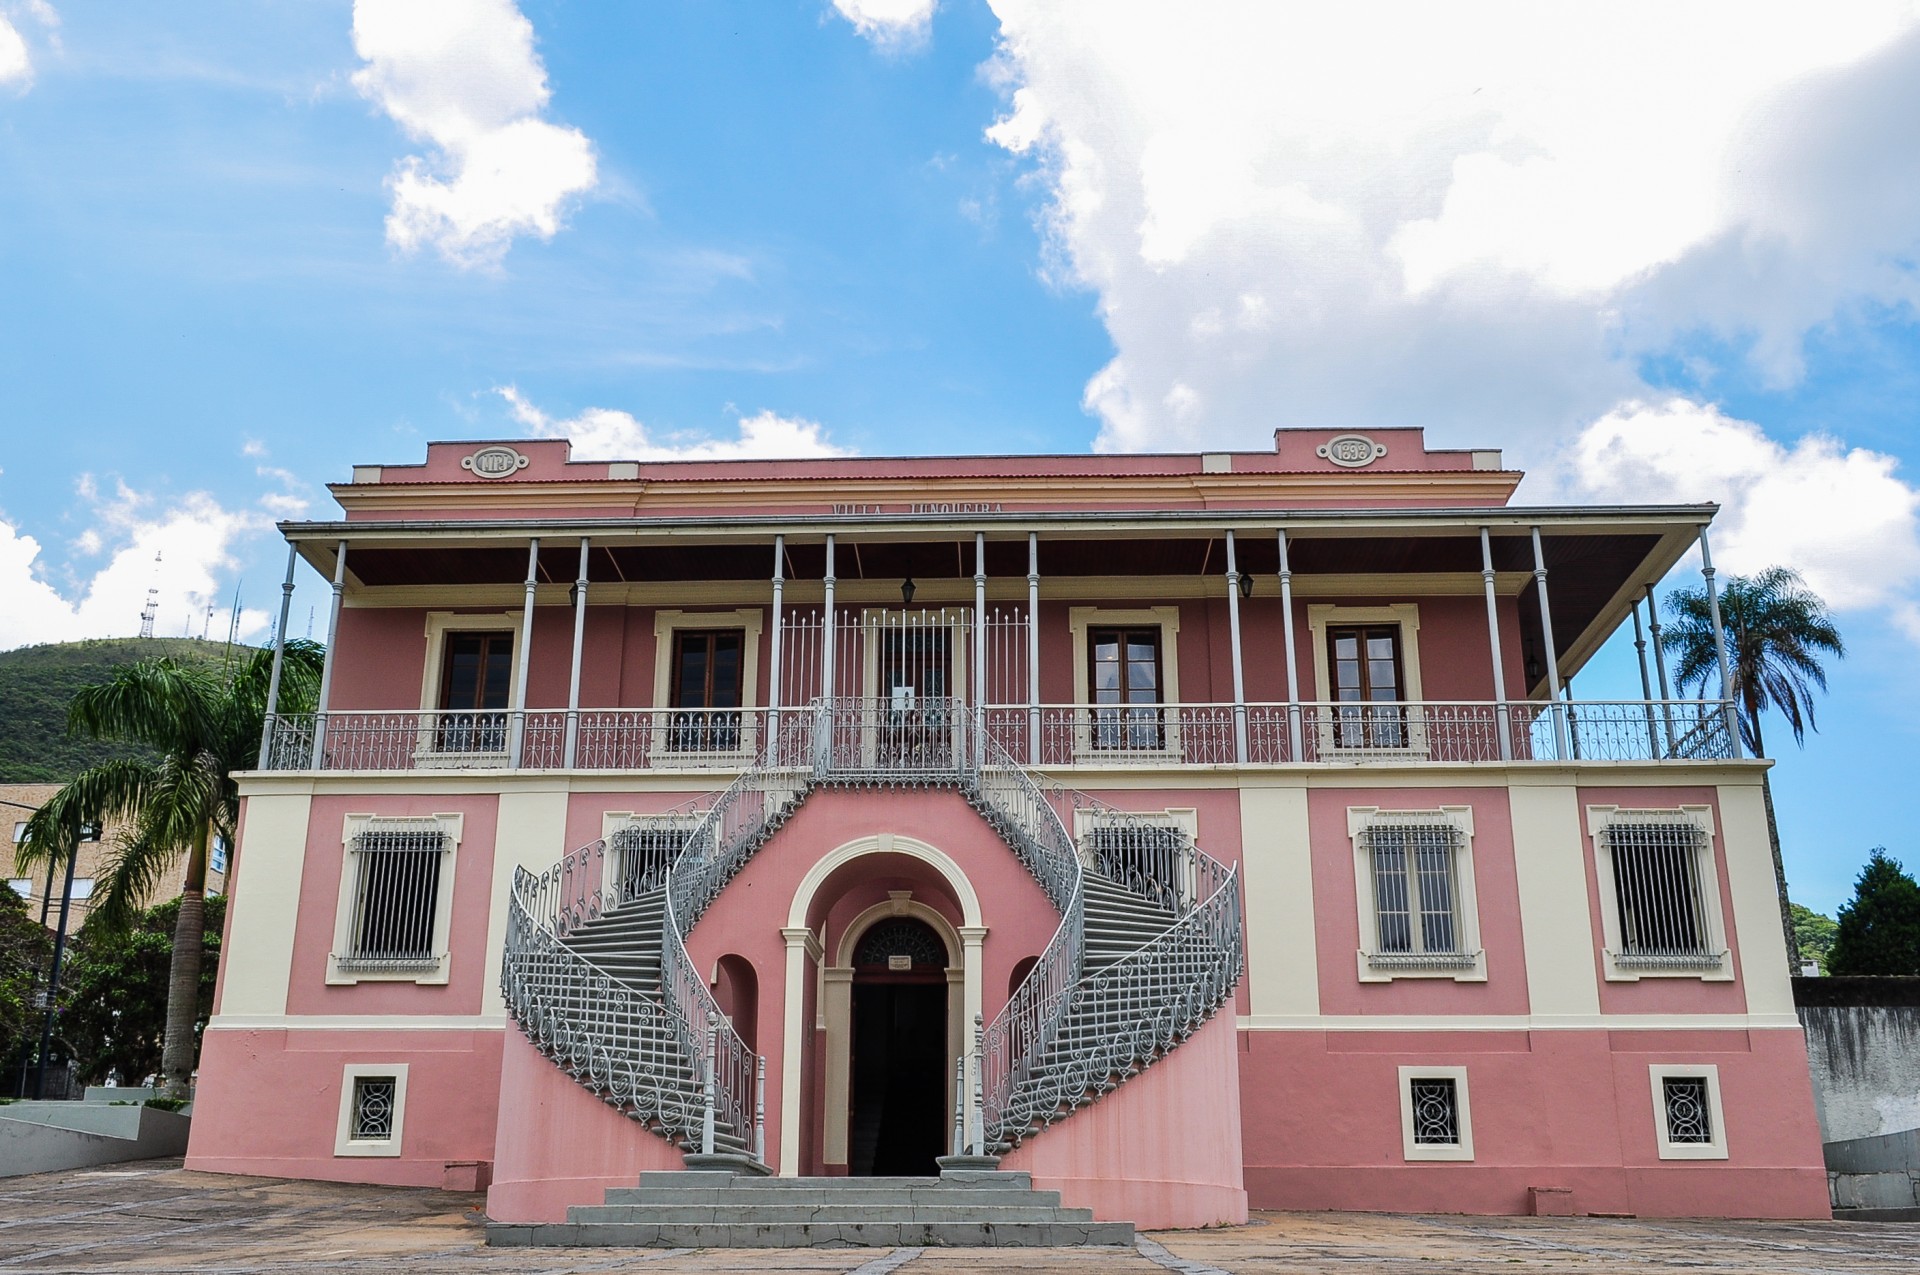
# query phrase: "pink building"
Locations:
[[1194, 832]]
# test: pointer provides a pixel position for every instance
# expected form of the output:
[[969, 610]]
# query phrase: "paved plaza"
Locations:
[[156, 1217]]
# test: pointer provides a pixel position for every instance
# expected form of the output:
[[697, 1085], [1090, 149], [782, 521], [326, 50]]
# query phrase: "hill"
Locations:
[[37, 681]]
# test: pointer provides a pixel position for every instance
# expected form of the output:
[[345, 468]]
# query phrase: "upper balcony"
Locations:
[[1155, 612]]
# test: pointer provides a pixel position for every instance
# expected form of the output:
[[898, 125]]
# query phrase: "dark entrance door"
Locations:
[[898, 1121]]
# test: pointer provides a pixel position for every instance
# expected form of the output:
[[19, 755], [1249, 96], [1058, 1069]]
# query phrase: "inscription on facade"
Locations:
[[1351, 451], [927, 507], [495, 462]]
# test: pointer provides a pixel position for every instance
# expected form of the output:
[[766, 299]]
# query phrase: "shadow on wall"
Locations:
[[1863, 1047]]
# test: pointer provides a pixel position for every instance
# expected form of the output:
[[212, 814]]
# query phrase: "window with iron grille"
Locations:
[[1416, 893], [375, 1100], [1436, 1111], [1689, 1109], [1150, 859], [1659, 892], [396, 868], [643, 850]]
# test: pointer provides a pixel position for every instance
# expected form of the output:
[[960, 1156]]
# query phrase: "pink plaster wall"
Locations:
[[1337, 907], [1570, 1109], [321, 881], [559, 1144], [1162, 1150], [270, 1102], [1671, 995]]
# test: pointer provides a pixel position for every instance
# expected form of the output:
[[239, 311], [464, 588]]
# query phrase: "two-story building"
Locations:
[[1196, 832]]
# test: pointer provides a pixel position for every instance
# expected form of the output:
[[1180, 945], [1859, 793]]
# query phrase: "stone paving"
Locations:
[[156, 1217]]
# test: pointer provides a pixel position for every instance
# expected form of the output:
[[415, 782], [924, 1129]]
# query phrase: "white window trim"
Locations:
[[1657, 1074], [451, 827], [666, 623], [1321, 616], [1466, 895], [612, 821], [16, 883], [344, 1144], [439, 625], [1599, 819], [1167, 620], [1411, 1150]]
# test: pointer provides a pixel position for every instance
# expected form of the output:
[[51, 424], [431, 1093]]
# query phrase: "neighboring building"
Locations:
[[17, 804], [1232, 794]]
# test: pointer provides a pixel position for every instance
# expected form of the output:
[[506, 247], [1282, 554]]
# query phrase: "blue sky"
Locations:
[[244, 246]]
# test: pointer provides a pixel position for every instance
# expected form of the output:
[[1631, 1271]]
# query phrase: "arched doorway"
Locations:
[[897, 1118]]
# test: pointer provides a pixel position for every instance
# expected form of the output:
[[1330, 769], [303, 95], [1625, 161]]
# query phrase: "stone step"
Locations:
[[825, 1212], [813, 1235], [959, 1180], [762, 1194]]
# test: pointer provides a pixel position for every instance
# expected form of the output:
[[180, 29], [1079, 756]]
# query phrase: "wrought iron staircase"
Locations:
[[597, 974]]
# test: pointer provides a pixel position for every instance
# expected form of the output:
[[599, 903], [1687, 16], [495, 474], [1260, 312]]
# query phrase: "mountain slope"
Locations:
[[37, 681]]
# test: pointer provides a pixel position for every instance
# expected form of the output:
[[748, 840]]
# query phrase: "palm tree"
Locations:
[[205, 722], [1778, 632]]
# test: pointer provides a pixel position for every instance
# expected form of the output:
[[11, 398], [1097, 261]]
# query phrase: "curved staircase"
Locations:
[[597, 975]]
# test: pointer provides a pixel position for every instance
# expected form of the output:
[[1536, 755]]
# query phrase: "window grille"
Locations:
[[1416, 894], [1689, 1111], [902, 936], [396, 894], [374, 1100], [643, 851], [1660, 892], [1147, 858], [1436, 1111]]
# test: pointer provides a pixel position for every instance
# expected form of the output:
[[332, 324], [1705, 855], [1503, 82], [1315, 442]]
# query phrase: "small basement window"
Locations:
[[1686, 1112], [1434, 1119], [373, 1106]]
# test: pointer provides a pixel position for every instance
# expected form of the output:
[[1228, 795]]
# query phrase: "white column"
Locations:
[[1646, 684], [1720, 646], [827, 633], [1561, 735], [797, 1033], [579, 640], [519, 704], [1033, 647], [279, 656], [1294, 739], [979, 648], [1502, 716], [773, 649], [973, 966], [1239, 674], [326, 663]]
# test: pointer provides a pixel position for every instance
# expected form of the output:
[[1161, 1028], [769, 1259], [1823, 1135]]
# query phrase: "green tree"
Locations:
[[1879, 931], [1813, 932], [203, 722], [25, 947], [113, 993], [1778, 633]]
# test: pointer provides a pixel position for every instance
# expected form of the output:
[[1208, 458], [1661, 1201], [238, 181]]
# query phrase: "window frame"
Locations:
[[1472, 967], [613, 822], [427, 754], [1324, 616], [1081, 622], [1657, 1076], [1456, 1152], [1599, 820], [1182, 819], [352, 826], [344, 1143], [667, 624]]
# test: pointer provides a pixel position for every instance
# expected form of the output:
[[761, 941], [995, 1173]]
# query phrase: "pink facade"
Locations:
[[1478, 945]]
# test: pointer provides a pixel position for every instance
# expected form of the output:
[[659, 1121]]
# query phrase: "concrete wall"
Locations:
[[46, 1137], [1865, 1056]]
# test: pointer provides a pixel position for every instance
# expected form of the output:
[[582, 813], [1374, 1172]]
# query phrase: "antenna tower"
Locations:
[[152, 608]]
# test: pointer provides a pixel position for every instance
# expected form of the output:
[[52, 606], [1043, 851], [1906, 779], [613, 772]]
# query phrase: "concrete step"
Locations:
[[813, 1235], [964, 1180], [829, 1212], [761, 1195]]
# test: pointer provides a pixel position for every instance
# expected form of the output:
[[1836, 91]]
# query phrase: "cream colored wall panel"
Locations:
[[1283, 968], [530, 833], [1756, 899], [1557, 926], [264, 906]]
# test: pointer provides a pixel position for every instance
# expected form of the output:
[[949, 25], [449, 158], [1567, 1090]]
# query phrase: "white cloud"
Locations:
[[195, 538], [16, 61], [463, 77], [604, 433], [1469, 217], [893, 25], [1841, 517]]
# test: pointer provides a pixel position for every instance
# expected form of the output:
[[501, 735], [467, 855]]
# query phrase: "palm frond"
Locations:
[[100, 795], [159, 702]]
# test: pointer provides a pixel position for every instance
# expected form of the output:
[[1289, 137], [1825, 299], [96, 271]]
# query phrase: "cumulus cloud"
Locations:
[[1368, 215], [604, 433], [195, 538], [1840, 516], [462, 76], [893, 25], [16, 62]]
